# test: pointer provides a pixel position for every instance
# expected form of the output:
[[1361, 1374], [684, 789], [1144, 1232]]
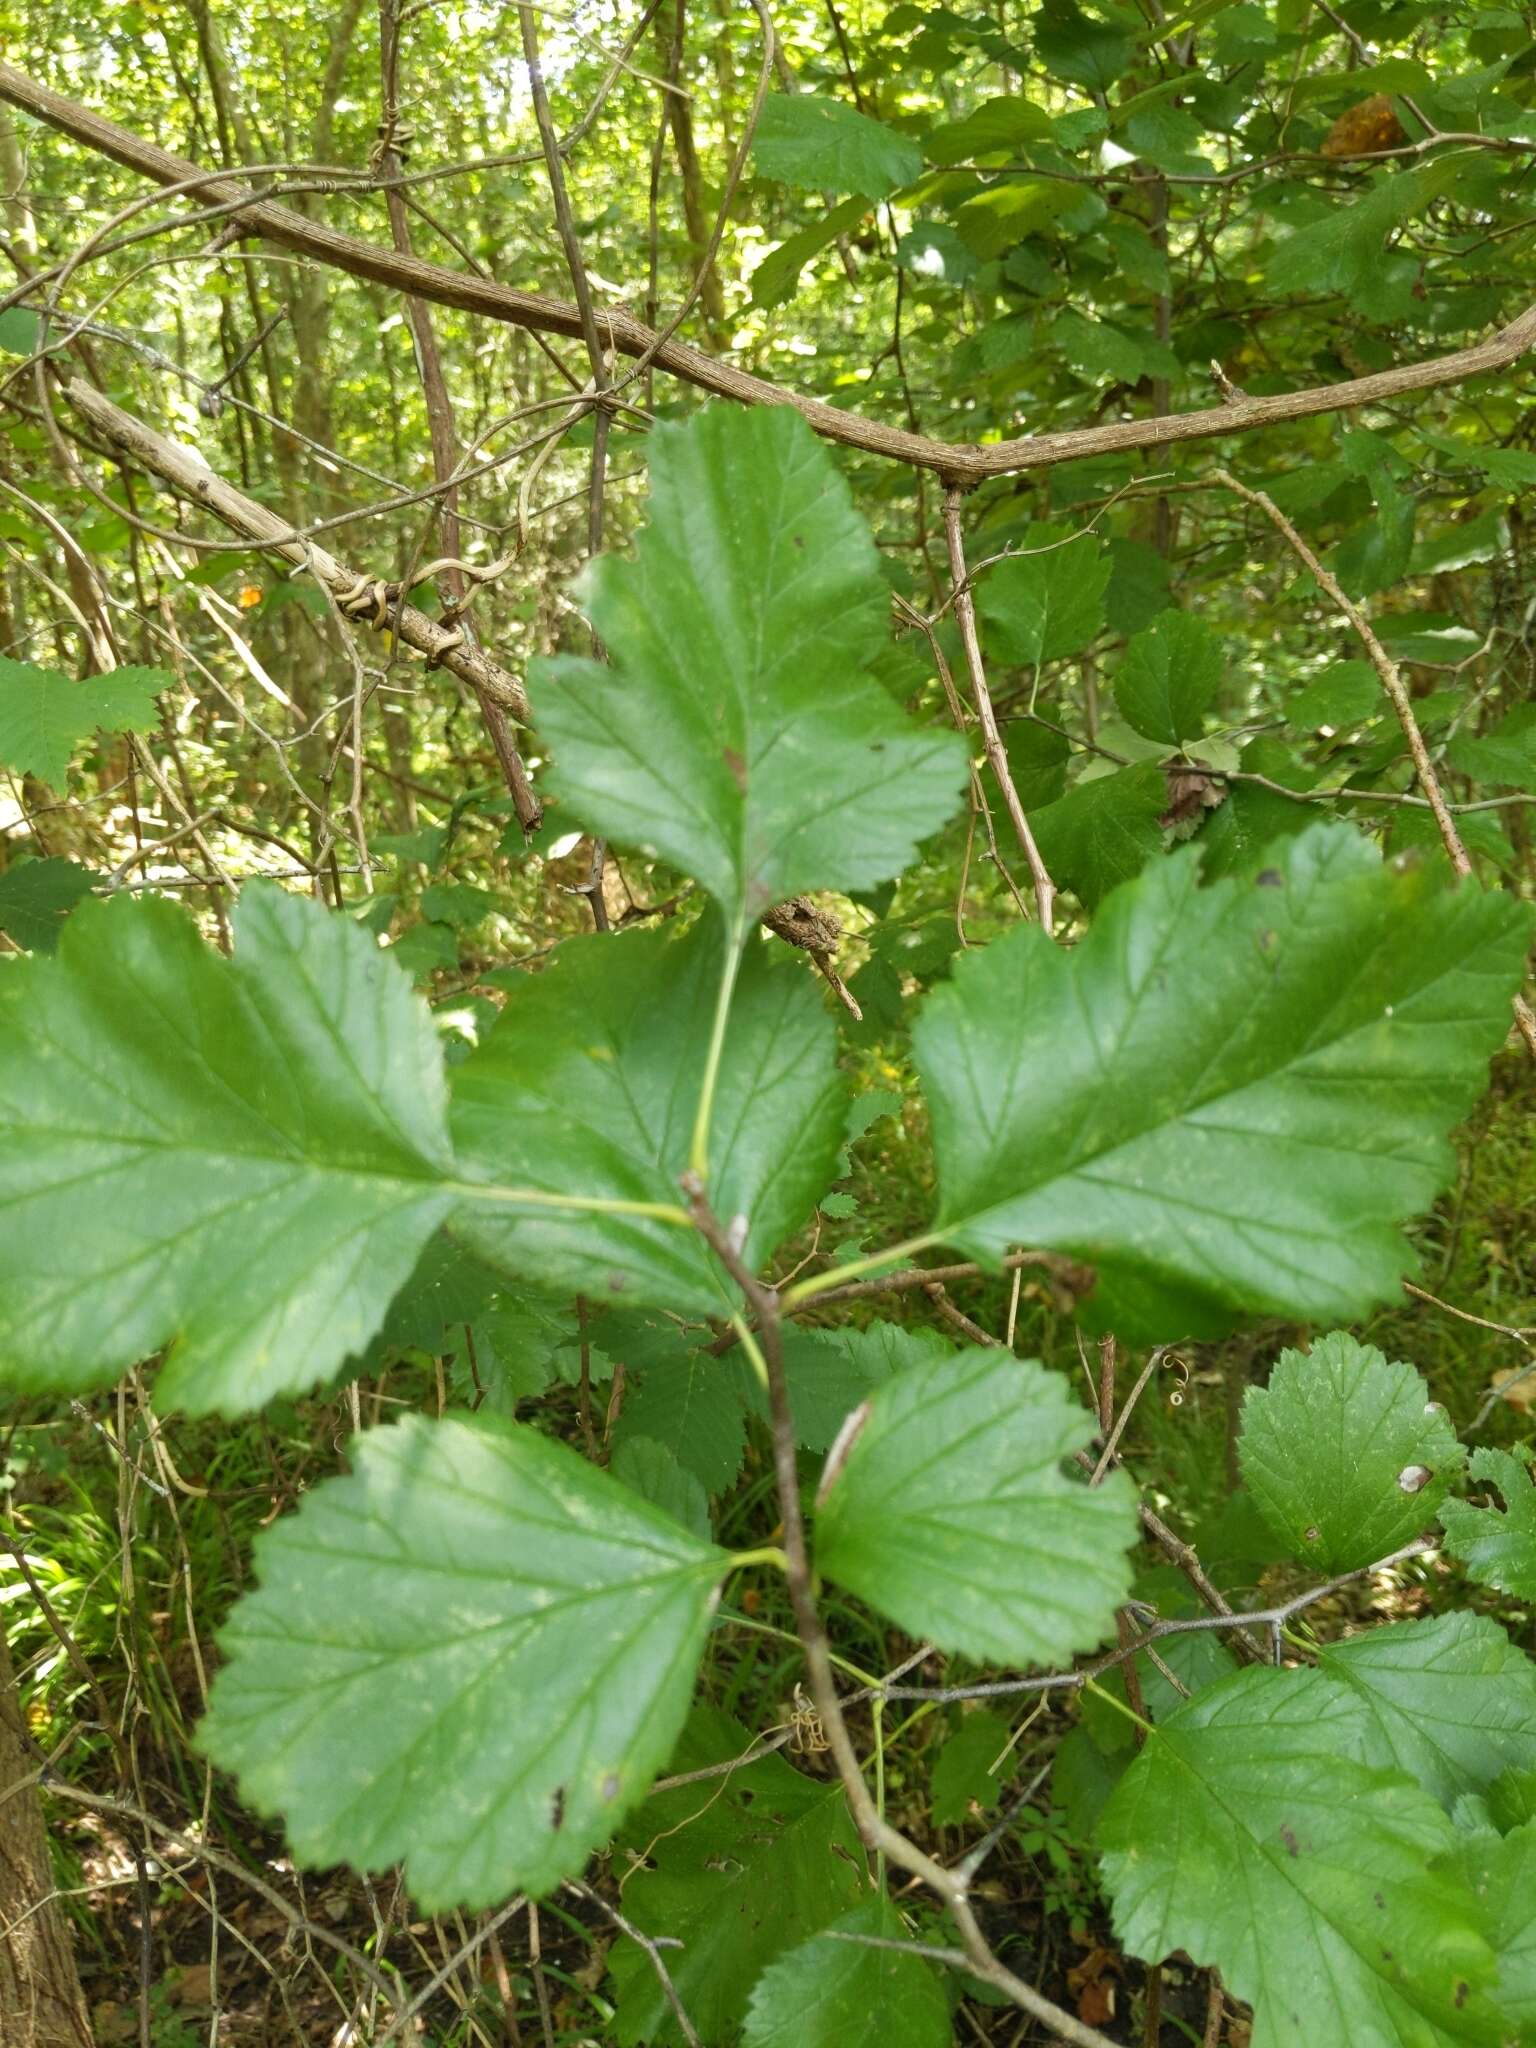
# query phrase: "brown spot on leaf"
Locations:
[[557, 1809], [1292, 1846], [1269, 878], [737, 766]]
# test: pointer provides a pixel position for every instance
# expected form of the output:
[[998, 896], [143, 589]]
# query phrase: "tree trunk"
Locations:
[[41, 2004]]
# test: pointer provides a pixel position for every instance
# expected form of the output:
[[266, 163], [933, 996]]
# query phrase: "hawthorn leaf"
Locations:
[[45, 716], [694, 1404], [1170, 678], [587, 1086], [815, 143], [972, 1768], [1498, 1547], [1345, 1454], [1506, 754], [35, 898], [238, 1159], [829, 1372], [739, 1869], [951, 1513], [776, 277], [1226, 1099], [993, 126], [736, 733], [471, 1653], [1104, 831], [1256, 1832], [1042, 606], [651, 1470], [835, 1991], [1501, 1871], [1452, 1699]]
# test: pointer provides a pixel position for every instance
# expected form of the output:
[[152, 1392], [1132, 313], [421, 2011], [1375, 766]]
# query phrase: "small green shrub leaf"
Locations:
[[1170, 678], [815, 143], [1227, 1099], [239, 1159], [836, 1991], [35, 898], [1346, 1455], [1042, 606], [739, 1869], [471, 1653], [736, 733], [1498, 1547], [953, 1516], [1256, 1832], [45, 716]]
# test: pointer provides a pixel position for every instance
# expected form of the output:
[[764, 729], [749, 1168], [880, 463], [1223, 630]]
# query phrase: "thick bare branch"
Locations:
[[957, 462], [187, 474]]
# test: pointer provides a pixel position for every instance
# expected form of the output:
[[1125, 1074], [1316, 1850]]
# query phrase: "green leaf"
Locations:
[[735, 734], [1227, 1099], [1094, 50], [830, 1372], [993, 127], [44, 716], [934, 254], [815, 143], [1344, 695], [650, 1469], [834, 1991], [776, 277], [586, 1086], [1100, 349], [1497, 1548], [471, 1653], [20, 328], [1040, 607], [952, 1513], [966, 1770], [1502, 1876], [1037, 760], [1104, 831], [35, 898], [1254, 1832], [692, 1403], [239, 1159], [1139, 581], [1453, 1702], [1506, 755], [1346, 1455], [1170, 678], [739, 1869]]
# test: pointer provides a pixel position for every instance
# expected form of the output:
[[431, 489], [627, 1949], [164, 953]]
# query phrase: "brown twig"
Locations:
[[963, 462], [876, 1832]]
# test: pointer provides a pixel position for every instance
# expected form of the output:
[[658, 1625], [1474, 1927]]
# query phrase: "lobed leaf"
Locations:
[[1452, 1700], [1498, 1547], [1227, 1099], [45, 716], [240, 1160], [736, 733], [835, 1991]]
